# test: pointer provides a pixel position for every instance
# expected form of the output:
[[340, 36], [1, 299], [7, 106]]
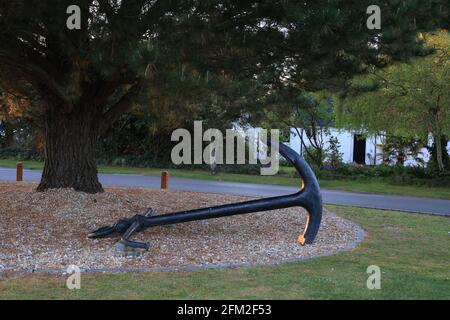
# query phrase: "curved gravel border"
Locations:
[[350, 246], [46, 232]]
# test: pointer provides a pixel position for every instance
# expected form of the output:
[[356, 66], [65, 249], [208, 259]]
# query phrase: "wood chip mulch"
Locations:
[[49, 230]]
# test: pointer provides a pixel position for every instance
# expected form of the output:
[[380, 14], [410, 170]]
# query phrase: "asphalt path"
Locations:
[[374, 201]]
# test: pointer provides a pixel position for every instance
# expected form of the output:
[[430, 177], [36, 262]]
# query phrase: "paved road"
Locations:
[[400, 203]]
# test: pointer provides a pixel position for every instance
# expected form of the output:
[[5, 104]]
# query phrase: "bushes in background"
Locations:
[[394, 174]]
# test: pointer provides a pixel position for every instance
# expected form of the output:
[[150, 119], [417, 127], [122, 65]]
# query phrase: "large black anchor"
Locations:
[[309, 197]]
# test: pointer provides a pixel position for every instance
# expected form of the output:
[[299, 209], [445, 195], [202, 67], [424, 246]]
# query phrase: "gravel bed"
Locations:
[[48, 231]]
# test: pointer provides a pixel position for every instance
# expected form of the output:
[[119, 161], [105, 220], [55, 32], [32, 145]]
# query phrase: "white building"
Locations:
[[354, 148]]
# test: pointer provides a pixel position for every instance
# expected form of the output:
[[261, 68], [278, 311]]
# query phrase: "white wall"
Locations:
[[346, 140], [425, 154]]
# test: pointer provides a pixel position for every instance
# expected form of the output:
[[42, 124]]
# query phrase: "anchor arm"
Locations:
[[310, 196], [121, 226]]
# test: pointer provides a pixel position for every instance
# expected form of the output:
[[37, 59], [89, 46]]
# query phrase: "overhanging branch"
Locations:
[[123, 105], [35, 75]]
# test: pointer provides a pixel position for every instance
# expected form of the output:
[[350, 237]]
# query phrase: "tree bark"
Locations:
[[70, 141], [440, 162]]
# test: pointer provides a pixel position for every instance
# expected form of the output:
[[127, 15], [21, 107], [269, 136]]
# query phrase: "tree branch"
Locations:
[[35, 75], [123, 105]]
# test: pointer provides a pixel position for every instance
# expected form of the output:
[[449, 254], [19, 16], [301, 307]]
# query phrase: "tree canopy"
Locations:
[[409, 100], [77, 83]]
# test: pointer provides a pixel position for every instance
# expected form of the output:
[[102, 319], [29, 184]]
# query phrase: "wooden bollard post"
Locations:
[[164, 180], [19, 172]]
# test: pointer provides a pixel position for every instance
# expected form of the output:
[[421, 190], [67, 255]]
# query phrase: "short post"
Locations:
[[19, 172], [164, 180]]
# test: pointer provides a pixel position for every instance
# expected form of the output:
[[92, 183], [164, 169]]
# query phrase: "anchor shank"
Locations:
[[259, 205]]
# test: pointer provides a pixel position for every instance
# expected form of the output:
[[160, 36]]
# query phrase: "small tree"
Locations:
[[398, 149], [434, 163], [334, 156], [406, 100], [309, 114]]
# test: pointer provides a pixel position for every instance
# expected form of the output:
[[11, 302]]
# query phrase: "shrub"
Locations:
[[334, 156], [20, 154]]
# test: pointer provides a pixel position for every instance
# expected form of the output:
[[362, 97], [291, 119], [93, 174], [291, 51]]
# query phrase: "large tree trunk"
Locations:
[[70, 141]]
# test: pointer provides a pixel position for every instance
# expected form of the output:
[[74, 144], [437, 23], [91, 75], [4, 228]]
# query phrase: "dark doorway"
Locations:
[[359, 149]]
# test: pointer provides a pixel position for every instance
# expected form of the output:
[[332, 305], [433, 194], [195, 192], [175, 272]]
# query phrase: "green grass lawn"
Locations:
[[412, 251], [365, 186]]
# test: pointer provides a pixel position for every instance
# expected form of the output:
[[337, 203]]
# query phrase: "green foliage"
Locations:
[[410, 98], [433, 163], [406, 100], [396, 175], [14, 153], [314, 156], [123, 44], [218, 60], [307, 112], [6, 134], [334, 156], [395, 150]]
